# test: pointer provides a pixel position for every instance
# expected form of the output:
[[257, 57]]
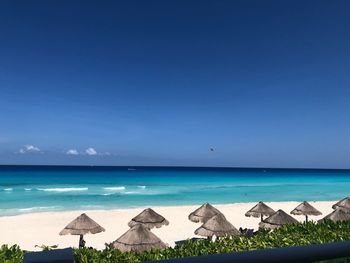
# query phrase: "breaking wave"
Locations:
[[66, 189], [117, 188]]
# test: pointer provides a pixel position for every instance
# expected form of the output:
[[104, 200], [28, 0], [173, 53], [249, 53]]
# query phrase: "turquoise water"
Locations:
[[36, 189]]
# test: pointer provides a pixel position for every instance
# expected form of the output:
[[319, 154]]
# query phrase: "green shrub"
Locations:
[[288, 235], [11, 254]]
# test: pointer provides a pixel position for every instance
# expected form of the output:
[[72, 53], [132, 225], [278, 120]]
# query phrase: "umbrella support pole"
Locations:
[[306, 219], [81, 241]]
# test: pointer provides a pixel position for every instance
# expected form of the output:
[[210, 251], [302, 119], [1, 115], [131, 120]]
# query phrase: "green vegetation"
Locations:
[[11, 254], [46, 248], [338, 260], [289, 235]]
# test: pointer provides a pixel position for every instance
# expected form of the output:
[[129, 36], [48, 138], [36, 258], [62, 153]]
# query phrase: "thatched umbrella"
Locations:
[[277, 219], [344, 203], [81, 226], [217, 226], [260, 210], [203, 213], [305, 209], [149, 218], [137, 239], [337, 215]]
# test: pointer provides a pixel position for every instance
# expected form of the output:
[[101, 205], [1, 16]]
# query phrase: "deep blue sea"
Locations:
[[25, 189]]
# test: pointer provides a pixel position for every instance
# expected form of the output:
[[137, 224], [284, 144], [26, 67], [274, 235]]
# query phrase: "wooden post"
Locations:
[[81, 241]]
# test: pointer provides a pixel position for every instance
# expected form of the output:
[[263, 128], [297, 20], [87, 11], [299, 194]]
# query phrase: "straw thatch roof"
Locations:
[[149, 218], [305, 209], [344, 203], [260, 209], [217, 226], [137, 239], [203, 213], [337, 215], [82, 225], [277, 219]]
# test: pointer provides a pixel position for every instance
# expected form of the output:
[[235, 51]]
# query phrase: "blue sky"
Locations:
[[264, 83]]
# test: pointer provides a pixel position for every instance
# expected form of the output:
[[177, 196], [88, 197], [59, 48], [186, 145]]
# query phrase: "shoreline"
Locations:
[[28, 230]]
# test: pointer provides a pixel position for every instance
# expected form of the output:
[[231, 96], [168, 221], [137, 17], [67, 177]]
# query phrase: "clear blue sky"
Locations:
[[264, 83]]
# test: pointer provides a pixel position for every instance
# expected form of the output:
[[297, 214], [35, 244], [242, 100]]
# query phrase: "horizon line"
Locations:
[[169, 166]]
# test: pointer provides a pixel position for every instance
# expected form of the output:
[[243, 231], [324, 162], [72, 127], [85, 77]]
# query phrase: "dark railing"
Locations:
[[52, 256], [310, 253]]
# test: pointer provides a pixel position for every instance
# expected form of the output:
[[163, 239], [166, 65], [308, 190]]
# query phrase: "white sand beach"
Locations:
[[29, 230]]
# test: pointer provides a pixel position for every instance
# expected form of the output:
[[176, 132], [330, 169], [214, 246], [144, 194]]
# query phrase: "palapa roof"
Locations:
[[277, 219], [137, 239], [305, 209], [337, 215], [203, 213], [82, 225], [260, 209], [149, 218], [344, 203], [217, 226]]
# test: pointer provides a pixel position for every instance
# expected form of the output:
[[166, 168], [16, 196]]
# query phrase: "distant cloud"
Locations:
[[90, 151], [29, 149], [72, 152]]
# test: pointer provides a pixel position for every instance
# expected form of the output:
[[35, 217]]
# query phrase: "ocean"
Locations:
[[28, 189]]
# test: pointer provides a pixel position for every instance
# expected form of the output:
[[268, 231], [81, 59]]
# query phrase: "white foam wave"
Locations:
[[132, 193], [8, 189], [140, 193], [92, 206], [117, 188], [141, 186], [36, 209], [67, 189], [27, 189]]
